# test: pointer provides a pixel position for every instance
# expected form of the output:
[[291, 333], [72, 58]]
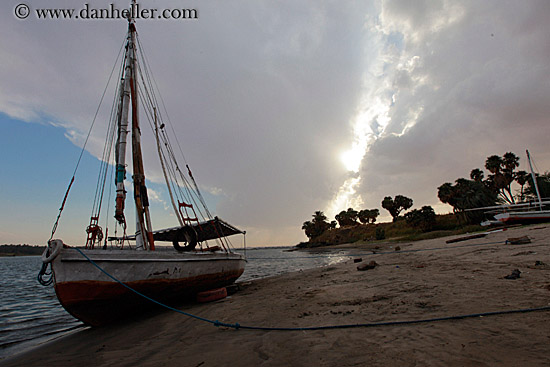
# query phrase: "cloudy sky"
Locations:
[[282, 108]]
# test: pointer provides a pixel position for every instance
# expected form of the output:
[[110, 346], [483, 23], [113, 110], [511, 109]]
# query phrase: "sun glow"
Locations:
[[345, 197], [368, 125], [390, 72], [351, 159]]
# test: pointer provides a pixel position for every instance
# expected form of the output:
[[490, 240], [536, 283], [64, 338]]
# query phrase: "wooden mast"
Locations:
[[144, 231], [129, 98], [122, 136]]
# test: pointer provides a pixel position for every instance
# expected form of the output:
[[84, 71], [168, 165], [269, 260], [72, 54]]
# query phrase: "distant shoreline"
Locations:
[[394, 232], [20, 250]]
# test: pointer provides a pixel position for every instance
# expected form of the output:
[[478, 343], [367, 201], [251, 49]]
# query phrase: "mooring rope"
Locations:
[[238, 326]]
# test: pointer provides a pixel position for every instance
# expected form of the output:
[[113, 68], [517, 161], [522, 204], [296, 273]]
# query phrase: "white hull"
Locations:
[[93, 297], [524, 217]]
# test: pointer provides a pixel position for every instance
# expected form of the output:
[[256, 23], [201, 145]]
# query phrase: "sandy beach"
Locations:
[[422, 280]]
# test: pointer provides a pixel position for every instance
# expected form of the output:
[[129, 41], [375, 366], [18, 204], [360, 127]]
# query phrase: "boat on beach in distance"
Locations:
[[537, 211], [523, 213], [112, 277], [524, 217]]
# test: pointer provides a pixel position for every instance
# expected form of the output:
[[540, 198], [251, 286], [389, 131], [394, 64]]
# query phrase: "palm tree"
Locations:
[[319, 217], [521, 179], [510, 161], [494, 164], [477, 175], [447, 195], [317, 226], [502, 169], [467, 194], [308, 228]]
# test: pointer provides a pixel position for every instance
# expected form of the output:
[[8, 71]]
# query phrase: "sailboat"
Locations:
[[111, 277], [522, 213]]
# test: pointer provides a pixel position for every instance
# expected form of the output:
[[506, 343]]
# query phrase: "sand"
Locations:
[[455, 279]]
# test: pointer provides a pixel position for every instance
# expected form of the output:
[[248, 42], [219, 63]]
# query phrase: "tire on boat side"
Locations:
[[190, 238], [50, 253]]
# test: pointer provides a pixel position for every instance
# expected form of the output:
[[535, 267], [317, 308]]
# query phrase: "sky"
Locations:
[[282, 108]]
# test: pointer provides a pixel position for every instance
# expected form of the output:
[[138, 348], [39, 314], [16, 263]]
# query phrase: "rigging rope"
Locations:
[[163, 104], [186, 195], [84, 146], [185, 190], [107, 148]]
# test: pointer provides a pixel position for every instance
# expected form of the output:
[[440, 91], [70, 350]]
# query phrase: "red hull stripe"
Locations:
[[98, 303]]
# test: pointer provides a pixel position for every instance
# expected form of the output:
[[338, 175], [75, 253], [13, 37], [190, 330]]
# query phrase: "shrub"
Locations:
[[423, 218], [380, 234]]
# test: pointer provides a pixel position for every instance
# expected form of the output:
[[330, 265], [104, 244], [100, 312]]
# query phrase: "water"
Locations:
[[274, 261], [30, 313]]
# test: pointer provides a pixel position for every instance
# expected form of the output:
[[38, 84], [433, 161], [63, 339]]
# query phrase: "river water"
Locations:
[[30, 313]]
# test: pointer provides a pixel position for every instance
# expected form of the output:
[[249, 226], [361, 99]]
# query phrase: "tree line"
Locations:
[[421, 218], [479, 191], [20, 250], [495, 188]]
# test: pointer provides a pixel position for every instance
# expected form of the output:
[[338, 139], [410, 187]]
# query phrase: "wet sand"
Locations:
[[425, 279]]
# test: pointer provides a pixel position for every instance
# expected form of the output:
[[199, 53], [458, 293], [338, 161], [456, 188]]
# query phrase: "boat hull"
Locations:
[[90, 295], [524, 217]]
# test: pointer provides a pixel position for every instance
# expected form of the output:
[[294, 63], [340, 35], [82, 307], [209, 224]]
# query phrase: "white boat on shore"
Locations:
[[89, 293], [521, 213], [113, 277], [525, 217]]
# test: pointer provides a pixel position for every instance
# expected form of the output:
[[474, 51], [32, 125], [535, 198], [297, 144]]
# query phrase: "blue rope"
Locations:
[[238, 326], [394, 323]]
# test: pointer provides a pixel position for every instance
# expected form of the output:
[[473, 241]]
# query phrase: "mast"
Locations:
[[144, 230], [534, 179], [122, 135], [144, 235]]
